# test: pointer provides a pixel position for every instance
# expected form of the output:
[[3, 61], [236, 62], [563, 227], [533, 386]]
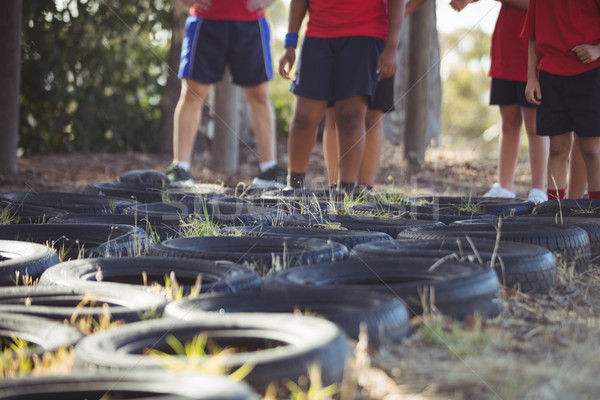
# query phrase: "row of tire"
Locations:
[[376, 273]]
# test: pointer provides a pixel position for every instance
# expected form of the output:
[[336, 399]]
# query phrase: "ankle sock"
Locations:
[[295, 180], [183, 165], [263, 166], [346, 187], [594, 194], [554, 194]]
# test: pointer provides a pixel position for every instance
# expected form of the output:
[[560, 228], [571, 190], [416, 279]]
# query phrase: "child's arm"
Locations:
[[522, 4], [259, 5], [388, 62], [459, 5], [587, 53], [532, 90], [298, 10]]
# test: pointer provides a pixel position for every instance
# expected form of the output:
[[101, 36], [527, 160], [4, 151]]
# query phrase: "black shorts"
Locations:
[[333, 69], [569, 103], [210, 45], [505, 93], [383, 99]]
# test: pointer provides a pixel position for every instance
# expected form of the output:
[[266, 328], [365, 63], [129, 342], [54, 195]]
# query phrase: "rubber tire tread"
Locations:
[[217, 276], [528, 267], [385, 316], [73, 202], [23, 258]]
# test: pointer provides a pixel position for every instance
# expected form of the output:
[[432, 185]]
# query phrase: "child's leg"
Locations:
[[560, 146], [331, 146], [350, 116], [538, 150], [577, 175], [590, 150], [303, 132], [509, 144], [374, 137]]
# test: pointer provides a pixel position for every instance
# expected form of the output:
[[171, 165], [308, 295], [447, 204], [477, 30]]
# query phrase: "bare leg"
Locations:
[[590, 150], [350, 116], [577, 175], [510, 138], [372, 152], [303, 132], [188, 114], [560, 146], [538, 150], [262, 120], [331, 146]]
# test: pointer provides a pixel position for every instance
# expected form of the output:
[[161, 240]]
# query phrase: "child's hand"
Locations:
[[533, 93], [587, 53], [458, 5], [286, 62], [387, 64]]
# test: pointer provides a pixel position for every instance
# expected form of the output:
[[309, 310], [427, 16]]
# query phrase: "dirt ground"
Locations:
[[542, 347], [445, 172]]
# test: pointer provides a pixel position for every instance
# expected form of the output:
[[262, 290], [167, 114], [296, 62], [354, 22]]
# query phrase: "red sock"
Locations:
[[594, 195], [556, 194]]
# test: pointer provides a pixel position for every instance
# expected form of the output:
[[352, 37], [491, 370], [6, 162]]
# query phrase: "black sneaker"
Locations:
[[274, 177], [179, 175]]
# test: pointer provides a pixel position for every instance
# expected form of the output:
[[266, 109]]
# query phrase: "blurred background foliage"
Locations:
[[93, 72]]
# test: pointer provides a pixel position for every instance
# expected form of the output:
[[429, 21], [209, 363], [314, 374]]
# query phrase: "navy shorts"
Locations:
[[569, 103], [506, 92], [333, 69], [210, 45], [383, 99]]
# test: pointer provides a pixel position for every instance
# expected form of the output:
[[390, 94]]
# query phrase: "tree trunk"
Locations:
[[170, 95], [225, 146], [10, 77], [420, 75]]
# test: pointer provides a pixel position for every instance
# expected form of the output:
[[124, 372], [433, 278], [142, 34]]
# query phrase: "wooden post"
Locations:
[[415, 138], [10, 76], [225, 146]]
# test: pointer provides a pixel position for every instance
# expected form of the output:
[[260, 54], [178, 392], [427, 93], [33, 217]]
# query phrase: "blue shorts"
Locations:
[[210, 45], [506, 92], [383, 98], [333, 69], [569, 103]]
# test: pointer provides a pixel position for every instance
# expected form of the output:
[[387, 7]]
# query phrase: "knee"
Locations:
[[558, 151], [348, 121]]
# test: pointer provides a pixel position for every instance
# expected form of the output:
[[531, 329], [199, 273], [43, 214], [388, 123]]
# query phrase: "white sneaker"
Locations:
[[499, 191], [537, 196]]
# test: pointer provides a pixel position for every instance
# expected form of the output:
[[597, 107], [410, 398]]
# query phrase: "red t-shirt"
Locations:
[[509, 50], [337, 18], [229, 10], [559, 25]]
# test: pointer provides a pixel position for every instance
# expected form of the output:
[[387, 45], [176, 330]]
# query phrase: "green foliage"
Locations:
[[92, 74], [466, 113]]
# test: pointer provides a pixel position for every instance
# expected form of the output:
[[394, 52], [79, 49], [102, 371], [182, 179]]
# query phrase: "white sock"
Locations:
[[263, 166], [183, 165]]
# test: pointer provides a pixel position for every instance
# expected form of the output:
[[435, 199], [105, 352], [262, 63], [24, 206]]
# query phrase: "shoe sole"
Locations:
[[262, 183]]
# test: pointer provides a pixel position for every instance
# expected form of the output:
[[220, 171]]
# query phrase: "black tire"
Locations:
[[93, 385], [389, 226], [589, 224], [72, 202], [220, 212], [570, 245], [258, 250], [420, 213], [458, 288], [127, 272], [385, 316], [62, 303], [295, 343], [28, 214], [348, 238], [19, 260], [155, 226], [487, 205], [75, 240], [589, 207], [41, 333], [528, 267]]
